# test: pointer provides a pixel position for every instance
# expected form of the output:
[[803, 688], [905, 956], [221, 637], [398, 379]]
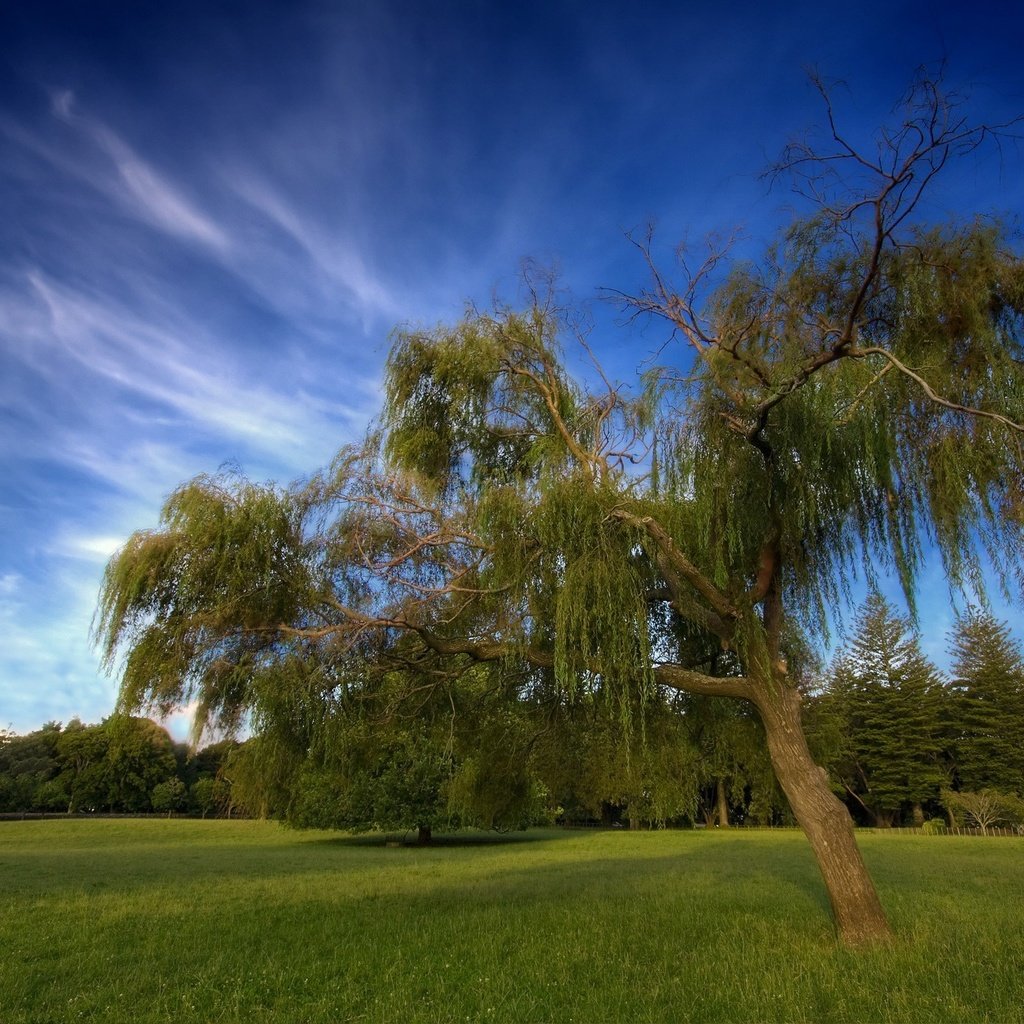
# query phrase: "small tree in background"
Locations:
[[984, 808], [202, 795], [169, 796]]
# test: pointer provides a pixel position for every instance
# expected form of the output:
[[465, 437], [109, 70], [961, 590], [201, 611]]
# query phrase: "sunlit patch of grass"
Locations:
[[244, 921]]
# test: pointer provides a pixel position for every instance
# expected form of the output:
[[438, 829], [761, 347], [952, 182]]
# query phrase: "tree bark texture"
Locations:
[[860, 919], [723, 803]]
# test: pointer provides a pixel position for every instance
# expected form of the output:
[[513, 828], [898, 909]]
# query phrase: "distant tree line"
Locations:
[[123, 765]]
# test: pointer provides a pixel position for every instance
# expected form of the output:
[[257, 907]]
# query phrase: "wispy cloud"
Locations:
[[335, 258], [87, 548], [303, 266], [135, 183], [193, 380]]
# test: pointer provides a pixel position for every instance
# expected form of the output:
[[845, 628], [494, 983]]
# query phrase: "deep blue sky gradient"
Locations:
[[212, 215]]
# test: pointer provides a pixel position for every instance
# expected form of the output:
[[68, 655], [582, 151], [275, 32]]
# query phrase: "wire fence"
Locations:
[[993, 831]]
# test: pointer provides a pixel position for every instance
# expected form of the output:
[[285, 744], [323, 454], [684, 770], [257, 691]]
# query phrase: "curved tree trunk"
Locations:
[[859, 916]]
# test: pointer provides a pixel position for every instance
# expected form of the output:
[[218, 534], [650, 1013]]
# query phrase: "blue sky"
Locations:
[[213, 214]]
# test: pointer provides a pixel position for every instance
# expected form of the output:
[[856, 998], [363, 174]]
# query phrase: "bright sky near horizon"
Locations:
[[213, 214]]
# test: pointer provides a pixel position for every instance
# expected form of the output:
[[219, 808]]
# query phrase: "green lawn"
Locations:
[[244, 921]]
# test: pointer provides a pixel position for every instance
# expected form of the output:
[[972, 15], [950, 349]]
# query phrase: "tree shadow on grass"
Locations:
[[754, 863], [739, 868], [444, 840]]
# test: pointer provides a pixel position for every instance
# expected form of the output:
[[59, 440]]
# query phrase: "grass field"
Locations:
[[196, 921]]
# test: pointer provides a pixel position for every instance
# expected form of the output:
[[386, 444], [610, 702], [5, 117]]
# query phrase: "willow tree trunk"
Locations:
[[859, 917]]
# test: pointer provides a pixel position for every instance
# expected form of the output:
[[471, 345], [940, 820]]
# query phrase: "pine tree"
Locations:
[[888, 699], [988, 669]]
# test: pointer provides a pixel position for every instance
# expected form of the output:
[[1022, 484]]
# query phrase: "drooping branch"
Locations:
[[930, 392], [547, 389], [674, 676]]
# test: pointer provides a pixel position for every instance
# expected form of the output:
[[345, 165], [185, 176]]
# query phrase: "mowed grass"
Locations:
[[212, 921]]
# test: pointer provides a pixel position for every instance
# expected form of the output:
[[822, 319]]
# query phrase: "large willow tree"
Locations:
[[852, 402]]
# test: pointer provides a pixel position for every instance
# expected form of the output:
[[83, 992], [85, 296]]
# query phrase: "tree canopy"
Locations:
[[851, 399], [124, 765]]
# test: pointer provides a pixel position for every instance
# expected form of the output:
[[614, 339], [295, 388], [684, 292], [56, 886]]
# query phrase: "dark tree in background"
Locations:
[[123, 765], [988, 677], [394, 750], [853, 395], [884, 710], [28, 770]]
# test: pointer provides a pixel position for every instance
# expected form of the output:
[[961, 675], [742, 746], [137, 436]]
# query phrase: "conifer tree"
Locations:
[[887, 699], [988, 676]]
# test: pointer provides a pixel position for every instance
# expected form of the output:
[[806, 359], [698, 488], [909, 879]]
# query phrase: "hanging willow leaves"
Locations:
[[851, 403]]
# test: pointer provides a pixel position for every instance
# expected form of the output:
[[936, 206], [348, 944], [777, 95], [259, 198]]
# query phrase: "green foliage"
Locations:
[[988, 677], [397, 782], [879, 721], [182, 599], [203, 795], [360, 759], [140, 757], [169, 796], [28, 766], [862, 465], [83, 752], [731, 746], [124, 764], [600, 614], [595, 769], [462, 402]]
